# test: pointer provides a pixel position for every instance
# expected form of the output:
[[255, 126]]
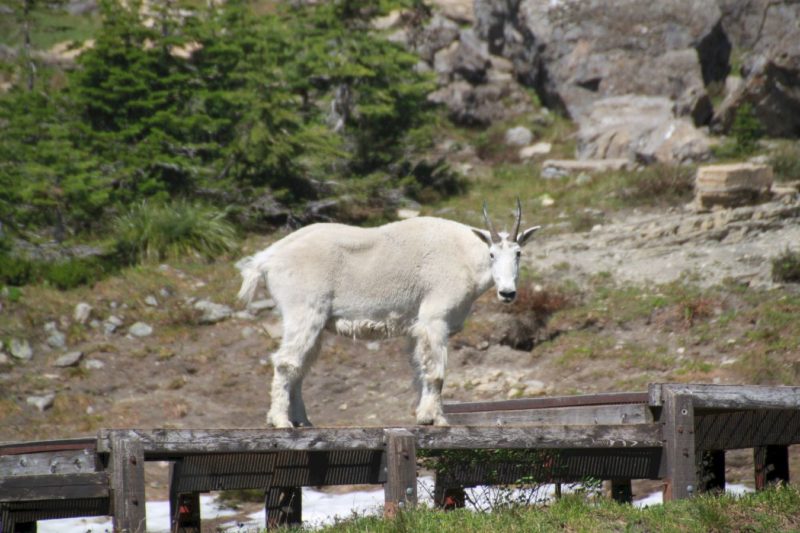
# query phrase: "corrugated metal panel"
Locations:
[[199, 473], [746, 429], [562, 466], [341, 467]]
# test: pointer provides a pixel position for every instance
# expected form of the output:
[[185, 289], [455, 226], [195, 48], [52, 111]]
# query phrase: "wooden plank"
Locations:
[[730, 396], [60, 445], [585, 415], [679, 449], [161, 444], [128, 499], [582, 400], [541, 437], [50, 462], [54, 487], [771, 465], [284, 507], [400, 489]]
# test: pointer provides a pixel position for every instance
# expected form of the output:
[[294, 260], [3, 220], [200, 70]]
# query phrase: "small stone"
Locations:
[[244, 315], [534, 387], [373, 346], [404, 214], [93, 364], [140, 329], [274, 329], [21, 349], [343, 407], [82, 312], [519, 136], [212, 312], [4, 359], [94, 323], [164, 292], [546, 200], [257, 306], [540, 148], [151, 301], [68, 359], [483, 345], [41, 402], [55, 339]]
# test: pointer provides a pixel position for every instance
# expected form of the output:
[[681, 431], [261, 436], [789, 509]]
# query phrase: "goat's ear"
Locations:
[[525, 235], [483, 235]]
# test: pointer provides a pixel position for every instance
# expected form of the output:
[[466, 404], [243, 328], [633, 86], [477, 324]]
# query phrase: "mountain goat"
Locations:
[[417, 277]]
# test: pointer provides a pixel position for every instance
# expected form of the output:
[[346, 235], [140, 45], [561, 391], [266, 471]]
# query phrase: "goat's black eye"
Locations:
[[519, 254], [491, 256]]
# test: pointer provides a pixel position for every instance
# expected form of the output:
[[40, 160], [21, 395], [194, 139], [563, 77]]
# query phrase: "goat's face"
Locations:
[[504, 257], [505, 250]]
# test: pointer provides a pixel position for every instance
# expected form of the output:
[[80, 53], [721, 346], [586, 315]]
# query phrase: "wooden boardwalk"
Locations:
[[673, 432]]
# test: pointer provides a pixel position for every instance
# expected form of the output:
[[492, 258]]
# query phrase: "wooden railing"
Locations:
[[673, 432]]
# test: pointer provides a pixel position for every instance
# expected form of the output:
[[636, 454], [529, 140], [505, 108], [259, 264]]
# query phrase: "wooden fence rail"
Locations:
[[674, 432]]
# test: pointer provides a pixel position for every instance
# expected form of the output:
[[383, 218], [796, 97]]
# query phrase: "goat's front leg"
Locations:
[[430, 361]]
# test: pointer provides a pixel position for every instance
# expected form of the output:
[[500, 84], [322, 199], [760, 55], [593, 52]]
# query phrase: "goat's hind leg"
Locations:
[[298, 348]]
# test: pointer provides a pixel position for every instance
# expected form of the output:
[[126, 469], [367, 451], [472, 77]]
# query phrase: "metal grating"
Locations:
[[200, 473], [340, 467], [562, 466], [48, 509], [746, 429]]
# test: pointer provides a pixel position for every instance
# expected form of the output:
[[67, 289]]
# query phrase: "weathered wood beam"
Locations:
[[583, 415], [729, 396], [159, 444], [54, 487], [50, 462]]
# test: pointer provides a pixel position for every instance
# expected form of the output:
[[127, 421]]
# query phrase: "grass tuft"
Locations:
[[156, 232], [786, 267]]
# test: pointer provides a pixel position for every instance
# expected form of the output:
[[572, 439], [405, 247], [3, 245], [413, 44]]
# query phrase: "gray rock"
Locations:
[[519, 136], [111, 324], [212, 312], [438, 34], [68, 359], [82, 312], [540, 148], [55, 338], [140, 329], [573, 53], [20, 349], [151, 301], [639, 128], [257, 306], [461, 11], [41, 402], [244, 315], [93, 364]]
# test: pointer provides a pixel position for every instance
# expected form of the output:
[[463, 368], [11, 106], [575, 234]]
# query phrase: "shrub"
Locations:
[[72, 273], [661, 184], [745, 132], [786, 162], [786, 267], [154, 232], [15, 271]]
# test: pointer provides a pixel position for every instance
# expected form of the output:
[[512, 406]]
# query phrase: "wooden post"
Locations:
[[677, 418], [711, 470], [400, 489], [620, 490], [184, 508], [771, 465], [127, 493], [284, 507]]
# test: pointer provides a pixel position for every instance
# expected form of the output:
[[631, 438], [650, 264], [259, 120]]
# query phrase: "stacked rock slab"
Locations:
[[732, 185]]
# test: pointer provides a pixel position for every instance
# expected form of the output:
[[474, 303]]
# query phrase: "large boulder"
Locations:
[[639, 128], [575, 53], [772, 88]]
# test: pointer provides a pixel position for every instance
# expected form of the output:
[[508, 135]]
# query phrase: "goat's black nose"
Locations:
[[508, 295]]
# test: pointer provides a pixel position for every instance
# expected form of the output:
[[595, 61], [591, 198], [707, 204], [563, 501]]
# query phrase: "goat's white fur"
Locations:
[[417, 277]]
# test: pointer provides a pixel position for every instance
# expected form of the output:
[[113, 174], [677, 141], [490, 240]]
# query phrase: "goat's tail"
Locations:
[[252, 269]]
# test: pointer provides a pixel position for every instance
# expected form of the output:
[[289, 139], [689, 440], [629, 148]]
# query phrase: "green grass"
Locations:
[[49, 27], [774, 510]]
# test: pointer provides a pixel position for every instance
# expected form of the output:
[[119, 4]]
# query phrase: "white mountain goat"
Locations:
[[417, 277]]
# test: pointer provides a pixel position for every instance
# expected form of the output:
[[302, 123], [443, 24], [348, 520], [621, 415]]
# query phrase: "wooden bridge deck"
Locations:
[[666, 433]]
